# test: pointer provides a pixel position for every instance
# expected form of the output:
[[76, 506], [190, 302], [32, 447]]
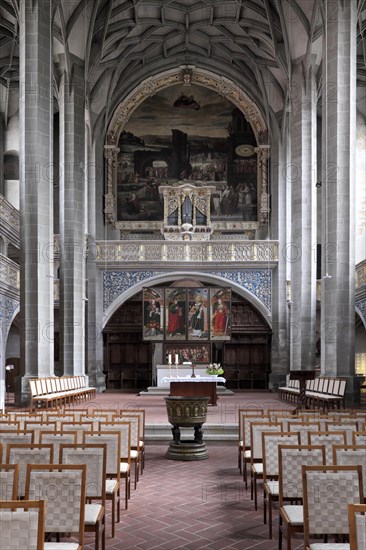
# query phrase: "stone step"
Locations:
[[212, 432]]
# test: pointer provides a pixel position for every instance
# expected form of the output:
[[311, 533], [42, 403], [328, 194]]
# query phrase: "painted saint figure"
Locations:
[[198, 317], [153, 318], [220, 317], [176, 318]]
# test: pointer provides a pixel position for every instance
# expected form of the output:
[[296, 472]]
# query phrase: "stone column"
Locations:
[[95, 284], [36, 212], [2, 139], [338, 194], [279, 351], [72, 222], [302, 246]]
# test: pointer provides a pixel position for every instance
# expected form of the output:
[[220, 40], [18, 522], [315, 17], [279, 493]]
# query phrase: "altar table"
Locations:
[[201, 386]]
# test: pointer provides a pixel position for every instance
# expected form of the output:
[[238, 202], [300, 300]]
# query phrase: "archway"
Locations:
[[130, 363]]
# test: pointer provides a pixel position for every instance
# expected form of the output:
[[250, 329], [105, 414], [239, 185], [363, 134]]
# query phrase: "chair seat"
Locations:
[[92, 512], [294, 513], [247, 453], [134, 454], [330, 546], [258, 468], [111, 485], [124, 468], [272, 487], [61, 546], [141, 444]]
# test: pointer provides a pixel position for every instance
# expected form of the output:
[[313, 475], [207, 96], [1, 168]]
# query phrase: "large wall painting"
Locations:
[[198, 314], [220, 313], [195, 353], [175, 314], [153, 314], [187, 134]]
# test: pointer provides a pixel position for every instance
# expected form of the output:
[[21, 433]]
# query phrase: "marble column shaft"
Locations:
[[301, 250], [36, 189], [338, 190], [72, 223]]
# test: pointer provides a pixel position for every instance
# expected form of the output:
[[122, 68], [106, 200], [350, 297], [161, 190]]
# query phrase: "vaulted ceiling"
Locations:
[[122, 42]]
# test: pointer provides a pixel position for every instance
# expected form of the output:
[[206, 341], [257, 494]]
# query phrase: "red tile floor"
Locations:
[[192, 505]]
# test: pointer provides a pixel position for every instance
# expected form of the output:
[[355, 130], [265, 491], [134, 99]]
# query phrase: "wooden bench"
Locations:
[[54, 392], [326, 392]]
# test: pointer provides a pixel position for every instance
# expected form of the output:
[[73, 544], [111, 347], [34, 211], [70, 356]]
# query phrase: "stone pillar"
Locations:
[[338, 194], [302, 248], [72, 222], [2, 139], [36, 212], [279, 351], [95, 284]]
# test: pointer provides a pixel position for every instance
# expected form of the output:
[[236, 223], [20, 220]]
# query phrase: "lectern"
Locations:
[[302, 376]]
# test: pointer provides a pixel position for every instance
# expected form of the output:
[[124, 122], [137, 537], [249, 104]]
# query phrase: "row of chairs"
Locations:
[[268, 440], [54, 392], [121, 434], [325, 392]]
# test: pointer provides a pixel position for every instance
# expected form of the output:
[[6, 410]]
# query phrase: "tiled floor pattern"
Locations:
[[192, 505]]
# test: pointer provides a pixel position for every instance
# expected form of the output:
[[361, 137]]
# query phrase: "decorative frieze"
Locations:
[[197, 252]]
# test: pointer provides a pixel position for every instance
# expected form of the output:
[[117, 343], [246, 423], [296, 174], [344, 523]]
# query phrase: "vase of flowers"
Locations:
[[215, 369]]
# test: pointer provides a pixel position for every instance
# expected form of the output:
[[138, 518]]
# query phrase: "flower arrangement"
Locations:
[[215, 368]]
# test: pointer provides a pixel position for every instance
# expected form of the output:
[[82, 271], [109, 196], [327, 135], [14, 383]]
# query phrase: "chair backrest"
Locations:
[[59, 418], [134, 412], [290, 460], [359, 438], [357, 526], [304, 428], [328, 439], [12, 425], [247, 419], [245, 413], [270, 444], [56, 438], [109, 414], [22, 524], [63, 489], [94, 456], [135, 422], [18, 453], [9, 478], [124, 429], [112, 440], [326, 492], [94, 419], [256, 429], [351, 455], [349, 426], [15, 436], [78, 427], [37, 426]]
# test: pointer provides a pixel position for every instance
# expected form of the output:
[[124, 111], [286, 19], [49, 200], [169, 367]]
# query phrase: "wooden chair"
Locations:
[[9, 425], [303, 428], [247, 451], [22, 524], [270, 444], [22, 454], [123, 413], [357, 526], [135, 451], [112, 440], [94, 456], [62, 486], [327, 491], [9, 478], [124, 429], [242, 444], [43, 425], [256, 460], [290, 460]]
